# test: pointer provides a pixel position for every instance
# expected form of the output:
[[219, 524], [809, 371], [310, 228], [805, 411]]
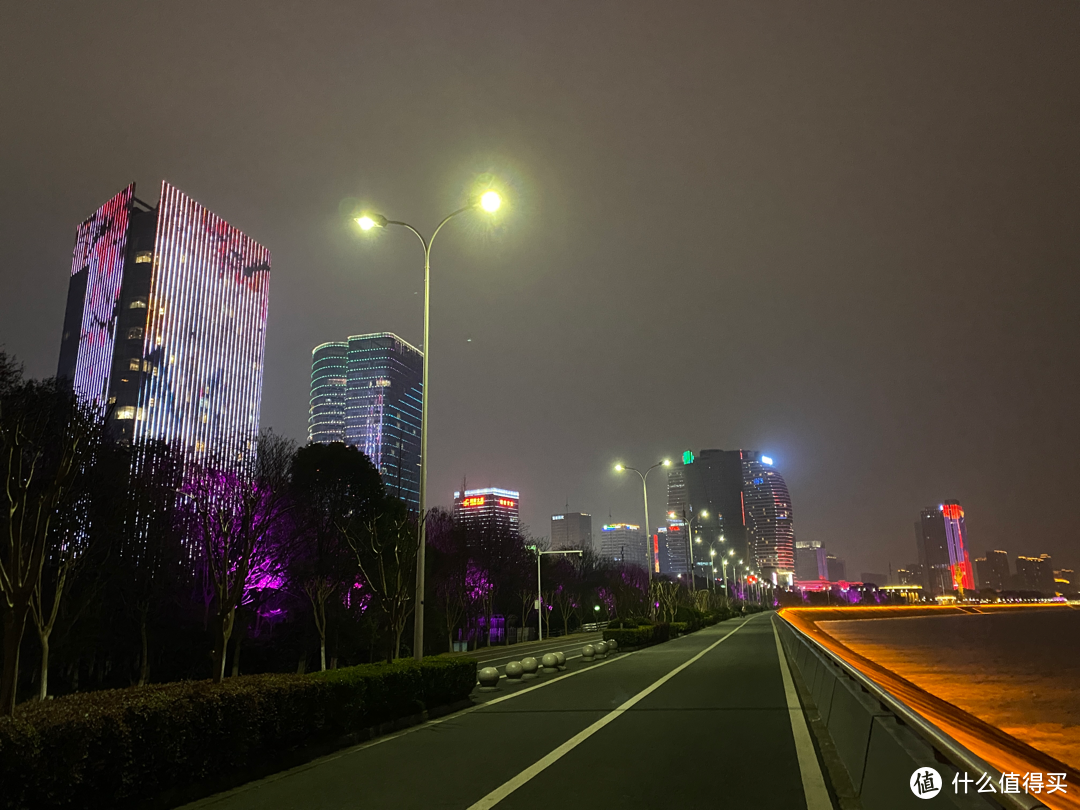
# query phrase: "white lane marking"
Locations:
[[542, 764], [817, 796]]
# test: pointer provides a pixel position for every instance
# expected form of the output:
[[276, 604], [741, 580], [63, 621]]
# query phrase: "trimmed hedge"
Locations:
[[124, 747], [639, 636]]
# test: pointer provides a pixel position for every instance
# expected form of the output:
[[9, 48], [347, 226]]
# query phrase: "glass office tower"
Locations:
[[368, 392]]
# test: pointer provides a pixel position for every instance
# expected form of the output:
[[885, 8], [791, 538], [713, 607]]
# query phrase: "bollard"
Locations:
[[612, 645], [587, 652], [562, 661], [489, 679], [601, 650], [529, 665], [514, 671], [550, 662]]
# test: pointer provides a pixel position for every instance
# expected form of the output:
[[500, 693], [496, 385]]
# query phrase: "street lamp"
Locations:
[[645, 495], [704, 513], [540, 591], [488, 201]]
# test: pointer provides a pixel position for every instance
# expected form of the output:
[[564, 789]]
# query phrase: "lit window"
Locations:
[[137, 303], [135, 333], [127, 412], [134, 364], [144, 257]]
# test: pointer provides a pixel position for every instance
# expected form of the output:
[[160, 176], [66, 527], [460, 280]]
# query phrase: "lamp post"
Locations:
[[645, 495], [704, 513], [540, 591], [488, 201]]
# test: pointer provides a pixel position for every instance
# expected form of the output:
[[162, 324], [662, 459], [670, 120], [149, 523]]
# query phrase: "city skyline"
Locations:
[[872, 334]]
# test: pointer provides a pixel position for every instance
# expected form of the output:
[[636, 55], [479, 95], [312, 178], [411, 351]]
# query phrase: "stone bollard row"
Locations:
[[588, 652], [530, 665], [562, 661], [550, 663]]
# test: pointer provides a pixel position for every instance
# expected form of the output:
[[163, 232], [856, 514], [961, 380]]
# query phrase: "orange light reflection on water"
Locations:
[[1001, 750]]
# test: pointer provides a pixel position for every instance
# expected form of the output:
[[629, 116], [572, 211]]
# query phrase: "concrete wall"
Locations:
[[879, 752]]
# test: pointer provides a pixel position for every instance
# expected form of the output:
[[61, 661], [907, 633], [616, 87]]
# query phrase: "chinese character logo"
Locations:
[[926, 783]]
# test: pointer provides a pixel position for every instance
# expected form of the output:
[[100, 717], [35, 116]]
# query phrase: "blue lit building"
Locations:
[[368, 392]]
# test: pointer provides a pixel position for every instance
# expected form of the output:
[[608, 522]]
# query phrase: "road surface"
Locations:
[[707, 720]]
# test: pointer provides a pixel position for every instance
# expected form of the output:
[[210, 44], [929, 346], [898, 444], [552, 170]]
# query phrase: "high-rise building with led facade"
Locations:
[[326, 415], [941, 537], [368, 393], [487, 510], [165, 326], [624, 543], [571, 530], [748, 504]]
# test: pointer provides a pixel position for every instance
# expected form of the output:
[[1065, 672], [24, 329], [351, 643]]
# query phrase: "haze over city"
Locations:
[[764, 226]]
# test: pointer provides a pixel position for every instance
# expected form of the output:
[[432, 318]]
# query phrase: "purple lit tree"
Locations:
[[236, 515]]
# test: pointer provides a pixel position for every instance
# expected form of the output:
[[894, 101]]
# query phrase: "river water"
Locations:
[[1019, 671]]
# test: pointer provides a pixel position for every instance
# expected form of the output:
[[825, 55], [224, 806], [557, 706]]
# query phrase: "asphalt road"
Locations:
[[708, 720]]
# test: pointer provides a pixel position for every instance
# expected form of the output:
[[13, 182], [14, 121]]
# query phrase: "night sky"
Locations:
[[845, 234]]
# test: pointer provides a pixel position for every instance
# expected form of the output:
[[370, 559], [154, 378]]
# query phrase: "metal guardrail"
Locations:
[[956, 754]]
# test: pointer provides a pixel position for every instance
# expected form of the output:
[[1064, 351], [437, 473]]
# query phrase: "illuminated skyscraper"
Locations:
[[326, 416], [571, 530], [748, 505], [624, 543], [166, 324], [956, 540], [490, 509], [368, 393], [941, 535]]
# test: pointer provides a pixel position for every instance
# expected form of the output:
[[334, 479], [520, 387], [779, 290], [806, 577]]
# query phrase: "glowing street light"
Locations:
[[645, 494], [489, 201]]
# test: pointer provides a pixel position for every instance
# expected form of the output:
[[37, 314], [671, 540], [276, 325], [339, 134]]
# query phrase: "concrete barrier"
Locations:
[[879, 752]]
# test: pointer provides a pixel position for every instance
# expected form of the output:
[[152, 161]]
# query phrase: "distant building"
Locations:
[[836, 568], [1035, 574], [748, 504], [909, 575], [571, 530], [941, 537], [487, 510], [624, 543], [880, 580], [672, 551], [368, 393], [1065, 580], [326, 410], [957, 541], [999, 576], [165, 326], [982, 572], [810, 561]]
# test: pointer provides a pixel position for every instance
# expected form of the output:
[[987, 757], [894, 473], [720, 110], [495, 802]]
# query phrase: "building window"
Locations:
[[127, 412], [137, 303], [135, 333], [134, 364], [144, 257]]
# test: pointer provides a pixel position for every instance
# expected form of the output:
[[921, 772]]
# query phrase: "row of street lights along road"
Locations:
[[489, 201]]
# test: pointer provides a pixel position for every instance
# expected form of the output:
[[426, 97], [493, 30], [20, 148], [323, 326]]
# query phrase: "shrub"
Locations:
[[125, 747], [630, 636], [680, 628]]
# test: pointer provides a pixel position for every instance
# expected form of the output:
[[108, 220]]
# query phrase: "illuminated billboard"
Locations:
[[100, 249], [205, 333]]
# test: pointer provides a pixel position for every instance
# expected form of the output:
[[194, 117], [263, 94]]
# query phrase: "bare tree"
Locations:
[[237, 515], [385, 545], [46, 442]]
